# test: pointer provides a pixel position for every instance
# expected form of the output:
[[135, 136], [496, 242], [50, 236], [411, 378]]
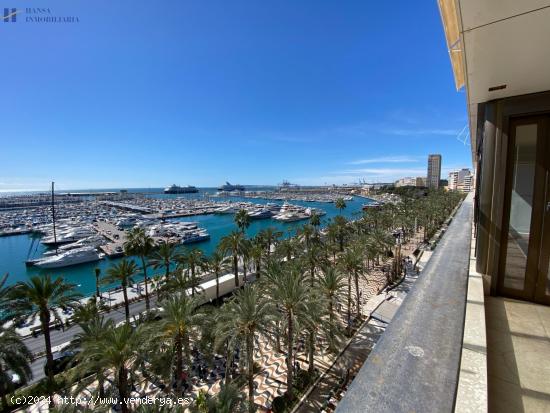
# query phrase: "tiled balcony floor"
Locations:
[[518, 355]]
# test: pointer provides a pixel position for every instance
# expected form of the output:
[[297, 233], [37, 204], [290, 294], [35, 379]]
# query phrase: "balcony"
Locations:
[[450, 348]]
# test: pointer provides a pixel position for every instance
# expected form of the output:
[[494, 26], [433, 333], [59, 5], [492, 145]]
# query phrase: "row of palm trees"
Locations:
[[302, 282]]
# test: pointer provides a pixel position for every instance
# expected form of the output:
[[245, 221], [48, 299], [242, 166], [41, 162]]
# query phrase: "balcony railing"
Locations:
[[415, 365]]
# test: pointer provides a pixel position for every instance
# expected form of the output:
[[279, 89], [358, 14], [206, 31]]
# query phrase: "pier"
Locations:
[[117, 237]]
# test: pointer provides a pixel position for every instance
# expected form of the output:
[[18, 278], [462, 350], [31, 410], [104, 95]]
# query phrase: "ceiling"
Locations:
[[503, 47]]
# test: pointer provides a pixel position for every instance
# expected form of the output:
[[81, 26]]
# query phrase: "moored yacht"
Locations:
[[68, 236], [71, 257]]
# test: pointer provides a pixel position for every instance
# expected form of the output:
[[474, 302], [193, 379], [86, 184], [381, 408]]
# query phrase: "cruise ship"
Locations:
[[71, 257], [174, 189], [228, 187]]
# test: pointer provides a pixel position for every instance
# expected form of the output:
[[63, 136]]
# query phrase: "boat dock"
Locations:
[[117, 237], [128, 207]]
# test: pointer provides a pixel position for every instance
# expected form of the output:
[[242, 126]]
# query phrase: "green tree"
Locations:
[[94, 327], [178, 324], [194, 260], [340, 204], [284, 285], [122, 273], [43, 298], [270, 237], [241, 319], [140, 244], [242, 219], [216, 264], [233, 244], [228, 400], [164, 257], [332, 284], [14, 357], [351, 263], [119, 349], [315, 220]]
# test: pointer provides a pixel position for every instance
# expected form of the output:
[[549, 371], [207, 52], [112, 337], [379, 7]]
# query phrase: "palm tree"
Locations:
[[216, 264], [234, 245], [140, 244], [5, 299], [119, 349], [163, 257], [312, 258], [179, 282], [228, 400], [337, 231], [286, 249], [332, 284], [242, 219], [90, 310], [177, 325], [123, 273], [14, 357], [42, 297], [97, 275], [315, 220], [244, 316], [317, 326], [270, 236], [340, 204], [93, 330], [245, 255], [305, 234], [256, 253], [285, 287], [352, 263], [382, 240], [194, 260]]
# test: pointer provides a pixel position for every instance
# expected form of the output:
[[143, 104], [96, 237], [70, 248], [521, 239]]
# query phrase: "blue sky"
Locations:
[[146, 94]]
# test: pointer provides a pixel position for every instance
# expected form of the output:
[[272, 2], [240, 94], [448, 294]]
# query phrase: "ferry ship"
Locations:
[[228, 187], [174, 189]]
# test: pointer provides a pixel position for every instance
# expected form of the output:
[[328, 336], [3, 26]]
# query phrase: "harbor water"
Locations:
[[16, 249]]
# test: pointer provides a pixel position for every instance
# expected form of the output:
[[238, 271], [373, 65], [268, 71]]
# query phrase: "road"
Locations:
[[36, 344]]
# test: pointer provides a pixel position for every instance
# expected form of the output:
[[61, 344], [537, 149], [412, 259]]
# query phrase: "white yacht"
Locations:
[[67, 236], [195, 236], [94, 241], [260, 213], [71, 257], [229, 209]]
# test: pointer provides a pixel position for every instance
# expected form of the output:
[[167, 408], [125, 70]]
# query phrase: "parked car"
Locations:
[[62, 360]]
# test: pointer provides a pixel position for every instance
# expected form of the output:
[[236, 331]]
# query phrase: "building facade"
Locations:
[[434, 171], [418, 181], [460, 180]]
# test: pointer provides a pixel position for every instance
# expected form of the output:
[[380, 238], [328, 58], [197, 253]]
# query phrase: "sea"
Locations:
[[16, 249]]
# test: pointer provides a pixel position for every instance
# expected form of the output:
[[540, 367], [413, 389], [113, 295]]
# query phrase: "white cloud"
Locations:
[[386, 159], [421, 132]]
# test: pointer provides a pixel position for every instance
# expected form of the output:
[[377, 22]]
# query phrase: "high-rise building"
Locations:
[[434, 171]]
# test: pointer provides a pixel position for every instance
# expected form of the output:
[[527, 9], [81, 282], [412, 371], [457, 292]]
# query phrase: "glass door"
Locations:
[[526, 233]]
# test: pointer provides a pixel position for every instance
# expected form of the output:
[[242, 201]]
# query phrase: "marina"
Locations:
[[91, 232]]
